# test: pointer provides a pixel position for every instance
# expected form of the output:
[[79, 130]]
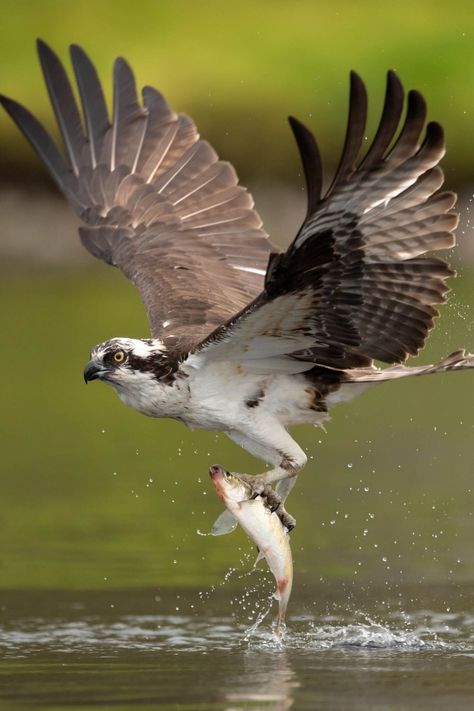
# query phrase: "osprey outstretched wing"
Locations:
[[156, 201], [354, 286]]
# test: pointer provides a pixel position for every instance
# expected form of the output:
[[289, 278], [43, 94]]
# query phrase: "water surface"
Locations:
[[190, 649]]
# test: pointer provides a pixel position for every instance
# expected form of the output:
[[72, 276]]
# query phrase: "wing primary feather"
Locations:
[[391, 113], [38, 137], [311, 159], [434, 137], [92, 99], [64, 104], [407, 142], [46, 148], [126, 111], [354, 132], [141, 142], [158, 116]]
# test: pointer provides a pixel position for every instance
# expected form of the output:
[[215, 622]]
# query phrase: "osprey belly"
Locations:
[[221, 396]]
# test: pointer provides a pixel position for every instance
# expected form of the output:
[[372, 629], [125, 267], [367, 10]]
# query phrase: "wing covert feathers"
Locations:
[[356, 278], [155, 200]]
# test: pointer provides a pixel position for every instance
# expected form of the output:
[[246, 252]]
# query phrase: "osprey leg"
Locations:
[[274, 445]]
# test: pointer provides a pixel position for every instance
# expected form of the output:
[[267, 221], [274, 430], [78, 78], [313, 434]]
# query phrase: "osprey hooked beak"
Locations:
[[94, 370]]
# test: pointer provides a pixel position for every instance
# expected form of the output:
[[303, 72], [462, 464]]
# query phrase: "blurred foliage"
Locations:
[[94, 495], [240, 68]]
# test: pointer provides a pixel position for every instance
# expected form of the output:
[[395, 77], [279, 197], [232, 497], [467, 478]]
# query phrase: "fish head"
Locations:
[[229, 487]]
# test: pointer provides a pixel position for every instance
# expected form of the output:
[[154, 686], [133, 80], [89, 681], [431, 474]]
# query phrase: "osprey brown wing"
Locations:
[[365, 241], [156, 201], [355, 284]]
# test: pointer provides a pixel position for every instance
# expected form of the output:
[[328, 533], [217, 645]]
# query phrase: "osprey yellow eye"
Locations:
[[119, 357]]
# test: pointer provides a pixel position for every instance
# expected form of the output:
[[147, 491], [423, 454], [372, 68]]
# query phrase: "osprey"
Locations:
[[248, 339]]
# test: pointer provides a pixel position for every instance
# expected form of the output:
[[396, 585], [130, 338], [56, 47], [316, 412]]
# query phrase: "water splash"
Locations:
[[422, 631]]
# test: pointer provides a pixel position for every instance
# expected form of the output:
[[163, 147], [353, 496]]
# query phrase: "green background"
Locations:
[[240, 68], [94, 495]]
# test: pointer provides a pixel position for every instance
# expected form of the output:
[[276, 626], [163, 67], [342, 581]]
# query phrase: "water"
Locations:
[[126, 649]]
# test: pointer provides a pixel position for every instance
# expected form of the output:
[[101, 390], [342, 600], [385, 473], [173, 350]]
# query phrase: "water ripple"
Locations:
[[419, 631]]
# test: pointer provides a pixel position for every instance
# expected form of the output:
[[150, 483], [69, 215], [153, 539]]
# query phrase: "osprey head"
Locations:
[[120, 360]]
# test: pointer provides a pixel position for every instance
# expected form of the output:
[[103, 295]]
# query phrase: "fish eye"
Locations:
[[119, 356]]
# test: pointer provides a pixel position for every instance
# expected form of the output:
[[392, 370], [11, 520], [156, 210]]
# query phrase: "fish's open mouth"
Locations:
[[217, 475]]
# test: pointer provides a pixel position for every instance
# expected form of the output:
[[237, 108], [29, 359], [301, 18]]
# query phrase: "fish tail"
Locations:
[[280, 621], [281, 594]]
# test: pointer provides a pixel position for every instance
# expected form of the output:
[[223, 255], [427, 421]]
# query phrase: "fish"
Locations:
[[264, 528]]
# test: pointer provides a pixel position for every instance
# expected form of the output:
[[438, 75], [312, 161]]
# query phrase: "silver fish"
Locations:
[[264, 528]]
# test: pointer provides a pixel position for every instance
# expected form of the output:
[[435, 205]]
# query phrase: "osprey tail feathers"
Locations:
[[459, 360]]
